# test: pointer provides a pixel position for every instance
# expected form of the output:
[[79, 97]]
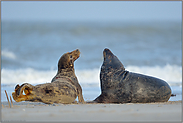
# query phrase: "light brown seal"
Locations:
[[64, 87]]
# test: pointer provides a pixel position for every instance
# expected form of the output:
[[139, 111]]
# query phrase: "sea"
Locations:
[[30, 51]]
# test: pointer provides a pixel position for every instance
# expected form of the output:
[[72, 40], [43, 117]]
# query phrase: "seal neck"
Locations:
[[68, 72]]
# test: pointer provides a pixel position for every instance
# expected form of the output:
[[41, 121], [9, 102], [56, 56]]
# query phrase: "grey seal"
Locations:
[[121, 86], [64, 87]]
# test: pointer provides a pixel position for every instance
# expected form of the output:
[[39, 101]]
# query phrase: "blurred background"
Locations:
[[145, 36]]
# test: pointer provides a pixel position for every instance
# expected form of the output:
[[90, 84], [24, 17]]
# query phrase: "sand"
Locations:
[[31, 111]]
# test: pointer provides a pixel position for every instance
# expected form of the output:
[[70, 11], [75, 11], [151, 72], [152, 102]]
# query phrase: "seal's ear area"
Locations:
[[18, 94], [71, 61], [66, 61]]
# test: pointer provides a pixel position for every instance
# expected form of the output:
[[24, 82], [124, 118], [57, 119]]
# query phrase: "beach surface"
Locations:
[[31, 111]]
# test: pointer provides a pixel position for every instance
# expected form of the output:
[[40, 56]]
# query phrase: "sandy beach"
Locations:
[[31, 111]]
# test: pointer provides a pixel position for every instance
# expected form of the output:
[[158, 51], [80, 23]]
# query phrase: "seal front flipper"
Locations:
[[79, 91], [172, 95]]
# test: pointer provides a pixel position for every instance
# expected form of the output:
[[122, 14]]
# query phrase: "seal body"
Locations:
[[49, 93], [121, 86], [64, 87], [66, 71]]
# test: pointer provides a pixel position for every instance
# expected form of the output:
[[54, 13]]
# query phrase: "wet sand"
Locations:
[[31, 111]]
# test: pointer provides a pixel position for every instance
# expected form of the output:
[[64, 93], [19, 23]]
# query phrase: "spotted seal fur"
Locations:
[[64, 87]]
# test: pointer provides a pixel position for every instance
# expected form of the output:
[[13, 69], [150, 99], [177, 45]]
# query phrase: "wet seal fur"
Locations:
[[121, 86], [64, 87]]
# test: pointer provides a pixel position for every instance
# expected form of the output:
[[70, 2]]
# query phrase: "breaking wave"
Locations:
[[170, 73]]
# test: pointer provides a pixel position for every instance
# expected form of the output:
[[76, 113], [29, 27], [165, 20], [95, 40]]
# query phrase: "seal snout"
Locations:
[[76, 51], [75, 54], [107, 53], [106, 50]]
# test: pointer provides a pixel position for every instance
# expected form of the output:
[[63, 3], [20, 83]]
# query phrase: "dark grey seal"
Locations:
[[121, 86]]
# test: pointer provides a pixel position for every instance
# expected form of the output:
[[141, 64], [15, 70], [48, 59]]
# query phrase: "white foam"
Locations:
[[26, 75], [91, 76], [170, 73], [8, 54]]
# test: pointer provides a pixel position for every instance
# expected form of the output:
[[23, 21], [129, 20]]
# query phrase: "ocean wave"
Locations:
[[170, 73], [8, 54], [29, 75]]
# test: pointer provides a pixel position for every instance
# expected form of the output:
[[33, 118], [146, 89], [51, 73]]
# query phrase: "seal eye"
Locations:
[[71, 56]]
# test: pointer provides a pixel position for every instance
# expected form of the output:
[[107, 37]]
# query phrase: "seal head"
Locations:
[[111, 62], [67, 60]]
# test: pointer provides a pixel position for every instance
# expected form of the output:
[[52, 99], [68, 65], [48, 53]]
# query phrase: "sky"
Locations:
[[91, 10]]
